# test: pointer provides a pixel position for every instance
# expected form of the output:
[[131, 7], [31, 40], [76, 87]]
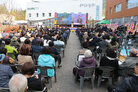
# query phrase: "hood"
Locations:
[[89, 60], [44, 58]]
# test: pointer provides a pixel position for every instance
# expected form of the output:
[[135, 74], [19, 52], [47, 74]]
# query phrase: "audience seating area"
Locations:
[[91, 37]]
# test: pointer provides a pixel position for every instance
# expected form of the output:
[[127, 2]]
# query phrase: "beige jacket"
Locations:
[[23, 59]]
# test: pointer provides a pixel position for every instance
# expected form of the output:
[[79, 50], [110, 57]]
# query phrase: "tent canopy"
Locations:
[[104, 22]]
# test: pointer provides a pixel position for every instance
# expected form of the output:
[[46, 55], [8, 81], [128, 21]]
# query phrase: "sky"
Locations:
[[22, 4], [19, 4]]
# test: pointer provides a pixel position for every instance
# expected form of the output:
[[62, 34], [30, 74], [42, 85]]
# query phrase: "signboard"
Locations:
[[68, 18]]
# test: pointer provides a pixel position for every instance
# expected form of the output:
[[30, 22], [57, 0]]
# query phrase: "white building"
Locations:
[[40, 11]]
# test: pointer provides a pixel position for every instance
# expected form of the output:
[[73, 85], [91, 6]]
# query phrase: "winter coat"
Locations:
[[87, 62], [46, 60], [129, 84]]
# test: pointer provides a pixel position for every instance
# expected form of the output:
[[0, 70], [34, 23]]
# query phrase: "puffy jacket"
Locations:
[[46, 60], [87, 62], [129, 84]]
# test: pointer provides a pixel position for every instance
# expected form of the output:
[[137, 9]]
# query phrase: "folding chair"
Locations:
[[125, 72], [44, 90], [89, 72], [35, 56], [17, 66], [107, 72], [43, 73]]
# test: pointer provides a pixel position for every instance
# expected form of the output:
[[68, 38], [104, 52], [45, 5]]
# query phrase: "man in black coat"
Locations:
[[129, 84]]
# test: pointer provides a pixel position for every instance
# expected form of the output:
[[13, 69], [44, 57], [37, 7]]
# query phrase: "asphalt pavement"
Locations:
[[65, 78]]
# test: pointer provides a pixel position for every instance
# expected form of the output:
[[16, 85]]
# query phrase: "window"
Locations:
[[49, 14], [118, 8], [37, 15], [110, 10], [29, 14], [43, 14], [132, 4]]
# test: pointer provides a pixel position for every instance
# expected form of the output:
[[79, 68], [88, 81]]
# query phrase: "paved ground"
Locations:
[[65, 78]]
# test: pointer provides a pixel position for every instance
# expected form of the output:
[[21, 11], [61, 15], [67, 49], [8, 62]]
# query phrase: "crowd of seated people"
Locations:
[[99, 38], [43, 42], [22, 45]]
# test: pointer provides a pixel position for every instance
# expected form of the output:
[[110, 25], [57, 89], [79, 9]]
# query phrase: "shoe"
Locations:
[[59, 66]]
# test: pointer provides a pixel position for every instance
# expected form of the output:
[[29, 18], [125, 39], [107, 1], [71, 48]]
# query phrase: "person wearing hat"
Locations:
[[5, 73], [14, 42], [87, 61], [131, 60]]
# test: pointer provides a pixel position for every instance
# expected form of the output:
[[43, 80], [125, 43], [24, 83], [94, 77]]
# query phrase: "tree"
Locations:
[[3, 9]]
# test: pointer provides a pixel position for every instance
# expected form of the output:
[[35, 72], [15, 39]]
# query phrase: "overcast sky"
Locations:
[[22, 4]]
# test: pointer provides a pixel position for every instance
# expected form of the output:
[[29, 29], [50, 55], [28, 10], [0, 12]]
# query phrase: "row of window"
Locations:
[[130, 4], [37, 15]]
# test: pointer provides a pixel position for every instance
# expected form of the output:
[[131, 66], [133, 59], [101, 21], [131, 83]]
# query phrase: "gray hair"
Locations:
[[18, 83], [88, 53]]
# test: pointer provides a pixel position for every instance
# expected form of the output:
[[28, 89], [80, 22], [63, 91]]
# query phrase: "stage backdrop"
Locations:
[[67, 18]]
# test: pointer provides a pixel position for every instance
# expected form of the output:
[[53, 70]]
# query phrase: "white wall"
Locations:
[[75, 6]]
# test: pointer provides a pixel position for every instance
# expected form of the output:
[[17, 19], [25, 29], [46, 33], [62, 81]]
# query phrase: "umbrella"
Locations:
[[104, 22]]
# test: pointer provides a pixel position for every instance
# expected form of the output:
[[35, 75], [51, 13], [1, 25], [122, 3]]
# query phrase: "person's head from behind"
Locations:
[[38, 42], [18, 83], [108, 37], [111, 53], [85, 33], [51, 44], [85, 45], [46, 50], [87, 54], [136, 68], [7, 41], [133, 52], [27, 41], [99, 35], [38, 36], [28, 68], [32, 35], [58, 37], [3, 50], [103, 37], [113, 41], [24, 50]]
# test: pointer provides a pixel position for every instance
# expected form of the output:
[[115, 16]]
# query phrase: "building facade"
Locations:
[[122, 11], [41, 11]]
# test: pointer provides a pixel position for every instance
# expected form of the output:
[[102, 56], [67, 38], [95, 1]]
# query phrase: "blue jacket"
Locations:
[[46, 60], [36, 48], [5, 74]]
